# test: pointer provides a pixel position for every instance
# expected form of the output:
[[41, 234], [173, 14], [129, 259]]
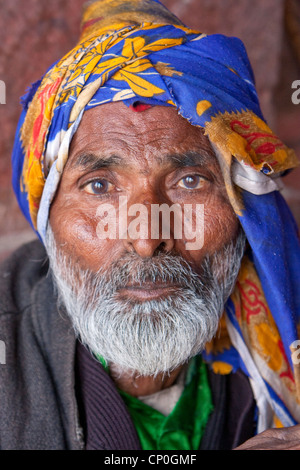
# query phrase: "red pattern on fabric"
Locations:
[[91, 22], [252, 306], [266, 148]]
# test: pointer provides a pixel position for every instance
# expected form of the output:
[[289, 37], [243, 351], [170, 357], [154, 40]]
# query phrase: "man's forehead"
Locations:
[[114, 130]]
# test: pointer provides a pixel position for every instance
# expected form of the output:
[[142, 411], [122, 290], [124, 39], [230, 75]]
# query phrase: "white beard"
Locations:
[[152, 336]]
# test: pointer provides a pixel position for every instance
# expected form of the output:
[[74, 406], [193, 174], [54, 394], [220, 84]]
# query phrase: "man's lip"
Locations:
[[148, 290]]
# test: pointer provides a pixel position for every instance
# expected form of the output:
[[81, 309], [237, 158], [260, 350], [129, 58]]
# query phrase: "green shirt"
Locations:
[[183, 428]]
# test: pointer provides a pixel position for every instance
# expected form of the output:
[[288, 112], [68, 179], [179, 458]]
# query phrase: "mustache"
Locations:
[[167, 268], [162, 268]]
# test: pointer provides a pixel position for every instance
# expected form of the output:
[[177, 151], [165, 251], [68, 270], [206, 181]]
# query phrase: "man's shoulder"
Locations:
[[37, 357], [19, 273]]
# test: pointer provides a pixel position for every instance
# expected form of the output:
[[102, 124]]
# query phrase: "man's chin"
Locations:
[[131, 366]]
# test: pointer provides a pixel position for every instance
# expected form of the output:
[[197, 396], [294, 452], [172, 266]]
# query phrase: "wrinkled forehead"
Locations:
[[114, 128]]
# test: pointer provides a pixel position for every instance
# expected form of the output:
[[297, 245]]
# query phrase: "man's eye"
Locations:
[[191, 182], [98, 187]]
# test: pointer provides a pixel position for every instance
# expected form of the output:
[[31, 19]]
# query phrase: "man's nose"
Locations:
[[146, 230]]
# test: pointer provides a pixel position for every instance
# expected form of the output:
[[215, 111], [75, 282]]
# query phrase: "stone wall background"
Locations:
[[35, 33]]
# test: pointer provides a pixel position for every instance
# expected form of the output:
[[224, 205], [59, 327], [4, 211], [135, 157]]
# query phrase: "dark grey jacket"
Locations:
[[38, 409], [39, 389]]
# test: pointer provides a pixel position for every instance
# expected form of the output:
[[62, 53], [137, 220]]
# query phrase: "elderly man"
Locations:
[[159, 309]]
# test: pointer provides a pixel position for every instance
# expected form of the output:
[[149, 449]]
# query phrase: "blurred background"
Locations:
[[36, 33]]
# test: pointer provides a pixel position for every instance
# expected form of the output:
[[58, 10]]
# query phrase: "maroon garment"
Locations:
[[107, 423], [105, 419]]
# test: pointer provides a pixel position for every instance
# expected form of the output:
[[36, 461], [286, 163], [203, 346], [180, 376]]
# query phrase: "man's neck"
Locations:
[[137, 385]]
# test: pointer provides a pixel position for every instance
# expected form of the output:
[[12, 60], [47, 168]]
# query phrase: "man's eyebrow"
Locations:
[[190, 158], [92, 162]]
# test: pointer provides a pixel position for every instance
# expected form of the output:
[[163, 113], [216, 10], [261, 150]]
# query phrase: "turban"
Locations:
[[136, 51]]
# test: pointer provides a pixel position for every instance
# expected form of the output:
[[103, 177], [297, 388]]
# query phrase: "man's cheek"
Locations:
[[220, 227], [84, 227], [73, 224]]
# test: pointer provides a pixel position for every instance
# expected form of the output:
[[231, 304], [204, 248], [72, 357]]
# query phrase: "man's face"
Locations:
[[144, 303], [152, 157]]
